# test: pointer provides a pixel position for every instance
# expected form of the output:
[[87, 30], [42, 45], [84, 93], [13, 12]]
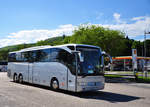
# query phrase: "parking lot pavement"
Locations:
[[114, 95]]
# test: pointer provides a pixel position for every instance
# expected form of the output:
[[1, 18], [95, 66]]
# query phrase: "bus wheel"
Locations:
[[54, 84], [20, 79], [15, 79]]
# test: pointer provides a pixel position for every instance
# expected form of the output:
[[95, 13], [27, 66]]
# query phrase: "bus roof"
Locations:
[[58, 46], [32, 48], [80, 45]]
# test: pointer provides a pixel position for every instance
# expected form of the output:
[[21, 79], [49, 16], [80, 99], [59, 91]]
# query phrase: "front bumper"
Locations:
[[90, 88]]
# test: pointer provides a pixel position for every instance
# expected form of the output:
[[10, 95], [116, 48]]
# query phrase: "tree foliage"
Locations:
[[111, 41], [3, 55]]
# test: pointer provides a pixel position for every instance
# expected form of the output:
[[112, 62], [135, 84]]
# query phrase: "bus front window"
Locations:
[[90, 65]]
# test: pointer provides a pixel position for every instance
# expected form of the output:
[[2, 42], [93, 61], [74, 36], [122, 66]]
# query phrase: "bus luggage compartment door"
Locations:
[[30, 73]]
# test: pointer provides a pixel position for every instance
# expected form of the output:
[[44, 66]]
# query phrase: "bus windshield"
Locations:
[[90, 66]]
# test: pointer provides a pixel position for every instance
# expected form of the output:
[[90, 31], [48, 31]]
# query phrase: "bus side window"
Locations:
[[54, 55], [24, 56], [43, 55], [71, 63], [59, 55], [62, 56], [12, 57], [18, 57], [31, 56]]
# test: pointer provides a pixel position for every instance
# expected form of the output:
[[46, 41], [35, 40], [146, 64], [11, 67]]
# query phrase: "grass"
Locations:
[[143, 79], [140, 79], [113, 76]]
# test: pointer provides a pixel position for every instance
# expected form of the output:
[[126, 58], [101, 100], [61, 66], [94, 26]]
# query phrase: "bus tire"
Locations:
[[54, 84], [20, 78], [15, 78]]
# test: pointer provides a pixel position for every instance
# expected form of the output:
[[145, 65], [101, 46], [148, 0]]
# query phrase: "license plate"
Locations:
[[91, 84]]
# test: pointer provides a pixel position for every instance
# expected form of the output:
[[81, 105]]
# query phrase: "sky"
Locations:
[[29, 21]]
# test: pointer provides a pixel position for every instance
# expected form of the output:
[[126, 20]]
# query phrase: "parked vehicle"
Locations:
[[3, 66]]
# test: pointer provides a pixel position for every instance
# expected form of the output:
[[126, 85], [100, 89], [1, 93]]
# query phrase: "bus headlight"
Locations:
[[82, 83]]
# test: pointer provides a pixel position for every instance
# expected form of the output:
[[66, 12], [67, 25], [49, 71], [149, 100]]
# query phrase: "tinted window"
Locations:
[[58, 55], [43, 55], [32, 56], [71, 63], [19, 57], [24, 56], [12, 57], [64, 57], [91, 63], [54, 55]]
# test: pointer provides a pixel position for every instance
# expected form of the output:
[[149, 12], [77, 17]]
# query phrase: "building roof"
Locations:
[[130, 57]]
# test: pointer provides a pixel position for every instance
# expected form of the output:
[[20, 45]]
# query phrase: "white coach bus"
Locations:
[[72, 67]]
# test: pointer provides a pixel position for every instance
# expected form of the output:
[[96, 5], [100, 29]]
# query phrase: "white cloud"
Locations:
[[138, 18], [117, 18], [32, 36], [133, 30]]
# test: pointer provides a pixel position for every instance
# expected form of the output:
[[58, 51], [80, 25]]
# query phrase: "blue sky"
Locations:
[[27, 21]]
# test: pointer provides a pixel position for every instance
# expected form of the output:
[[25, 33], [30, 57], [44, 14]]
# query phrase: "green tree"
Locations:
[[4, 55], [139, 46], [148, 47], [111, 41], [128, 50]]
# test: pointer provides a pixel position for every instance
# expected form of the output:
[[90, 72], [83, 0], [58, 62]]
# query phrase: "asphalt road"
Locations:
[[114, 95]]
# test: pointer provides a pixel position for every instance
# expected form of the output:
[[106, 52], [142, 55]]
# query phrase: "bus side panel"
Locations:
[[37, 67], [43, 72], [22, 68], [18, 68], [11, 69], [71, 81], [59, 71]]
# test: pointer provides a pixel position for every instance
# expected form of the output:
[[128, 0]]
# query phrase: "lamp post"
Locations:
[[145, 42]]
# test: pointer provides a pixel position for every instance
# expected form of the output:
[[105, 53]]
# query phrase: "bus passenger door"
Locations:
[[71, 81], [71, 77]]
